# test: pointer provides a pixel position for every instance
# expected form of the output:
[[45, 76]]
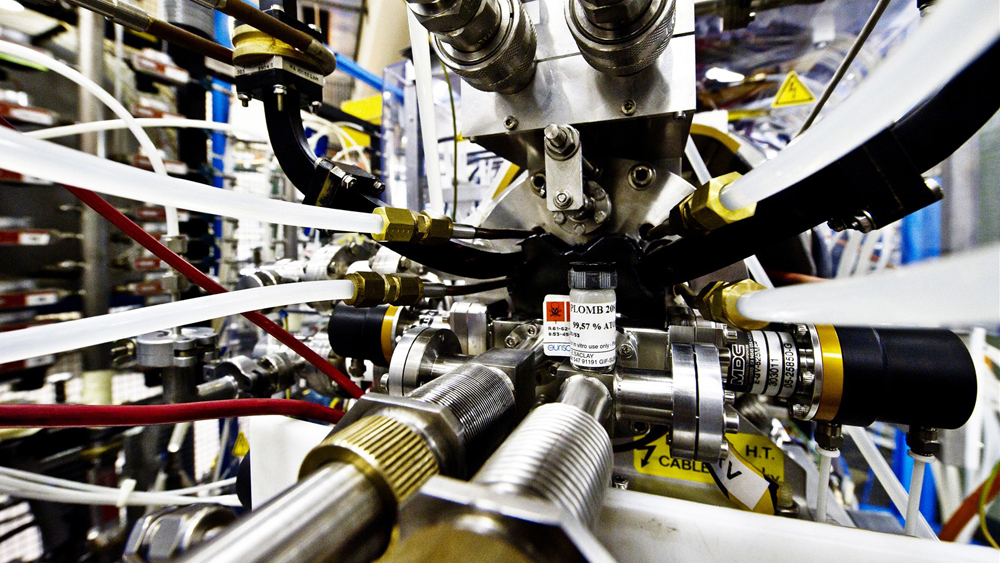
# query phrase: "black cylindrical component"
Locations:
[[921, 377], [357, 333]]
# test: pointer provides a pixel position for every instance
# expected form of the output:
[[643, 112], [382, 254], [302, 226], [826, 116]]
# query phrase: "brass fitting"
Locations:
[[391, 454], [371, 289], [703, 212], [251, 45], [717, 302], [403, 225]]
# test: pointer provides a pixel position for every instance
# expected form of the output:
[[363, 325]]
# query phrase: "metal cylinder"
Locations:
[[621, 37], [559, 453], [336, 514], [480, 397], [644, 396], [189, 15], [489, 43], [588, 395]]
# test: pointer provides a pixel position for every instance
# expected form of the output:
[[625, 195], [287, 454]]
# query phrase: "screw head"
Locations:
[[626, 351], [799, 411], [555, 136], [619, 482], [531, 330], [628, 107], [510, 123], [579, 228], [600, 216], [244, 99], [559, 217], [314, 107], [512, 340], [563, 199]]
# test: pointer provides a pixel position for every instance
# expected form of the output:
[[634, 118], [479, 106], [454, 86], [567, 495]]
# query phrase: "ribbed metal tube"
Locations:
[[559, 453], [480, 397]]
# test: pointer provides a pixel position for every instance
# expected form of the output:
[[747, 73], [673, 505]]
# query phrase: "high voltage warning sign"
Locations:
[[793, 92]]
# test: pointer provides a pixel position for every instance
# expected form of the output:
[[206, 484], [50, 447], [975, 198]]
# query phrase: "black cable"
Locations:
[[655, 433], [485, 233], [471, 288]]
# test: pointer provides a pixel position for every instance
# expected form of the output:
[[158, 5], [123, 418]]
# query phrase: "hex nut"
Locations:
[[370, 289], [703, 212], [717, 302], [398, 225]]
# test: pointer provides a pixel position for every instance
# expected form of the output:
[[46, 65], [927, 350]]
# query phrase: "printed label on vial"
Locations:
[[592, 334], [556, 325]]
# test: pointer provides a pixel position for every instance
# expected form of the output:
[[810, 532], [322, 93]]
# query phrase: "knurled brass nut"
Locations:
[[718, 303], [703, 211], [369, 289], [398, 225]]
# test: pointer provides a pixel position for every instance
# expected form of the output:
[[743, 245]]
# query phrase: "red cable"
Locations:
[[968, 510], [34, 416], [135, 232]]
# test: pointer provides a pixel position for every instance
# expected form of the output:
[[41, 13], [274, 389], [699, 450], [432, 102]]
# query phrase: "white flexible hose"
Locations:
[[38, 478], [959, 290], [913, 504], [950, 38], [887, 478], [420, 43], [37, 341], [112, 124], [823, 487], [31, 55], [21, 488], [57, 163]]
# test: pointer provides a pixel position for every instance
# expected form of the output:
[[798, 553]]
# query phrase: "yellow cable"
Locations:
[[982, 505]]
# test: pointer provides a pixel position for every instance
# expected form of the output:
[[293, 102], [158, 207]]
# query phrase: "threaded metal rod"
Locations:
[[559, 453]]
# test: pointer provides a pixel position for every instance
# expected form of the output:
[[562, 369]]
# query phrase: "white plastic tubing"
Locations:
[[50, 339], [420, 43], [57, 163], [21, 52], [110, 124], [887, 478], [950, 38], [960, 290]]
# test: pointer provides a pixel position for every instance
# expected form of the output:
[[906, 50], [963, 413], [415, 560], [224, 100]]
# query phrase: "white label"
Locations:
[[38, 299], [176, 74], [32, 116], [33, 239], [556, 325], [742, 482], [592, 334], [280, 64]]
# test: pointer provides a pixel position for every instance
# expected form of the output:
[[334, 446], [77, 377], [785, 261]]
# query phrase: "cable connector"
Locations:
[[403, 225], [371, 289], [717, 302], [702, 212]]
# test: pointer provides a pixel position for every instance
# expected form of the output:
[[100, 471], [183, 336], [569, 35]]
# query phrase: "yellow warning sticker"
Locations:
[[793, 92], [241, 447], [759, 451]]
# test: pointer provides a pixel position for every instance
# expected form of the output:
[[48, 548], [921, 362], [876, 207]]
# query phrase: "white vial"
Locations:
[[593, 312]]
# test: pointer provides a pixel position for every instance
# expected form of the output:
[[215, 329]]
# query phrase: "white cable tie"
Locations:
[[126, 490]]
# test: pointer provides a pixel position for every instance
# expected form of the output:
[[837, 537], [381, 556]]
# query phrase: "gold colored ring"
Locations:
[[388, 322], [833, 373]]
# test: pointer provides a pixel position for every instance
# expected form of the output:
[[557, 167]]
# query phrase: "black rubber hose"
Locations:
[[938, 127], [288, 139]]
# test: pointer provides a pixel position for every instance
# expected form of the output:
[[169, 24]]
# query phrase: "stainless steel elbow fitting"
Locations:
[[489, 43], [621, 37]]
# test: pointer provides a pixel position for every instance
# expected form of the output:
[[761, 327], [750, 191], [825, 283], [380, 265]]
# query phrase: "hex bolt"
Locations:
[[626, 351], [620, 482], [628, 107], [563, 199], [729, 397], [510, 123], [243, 98], [799, 411], [555, 136], [579, 228], [600, 216], [315, 106], [559, 217], [279, 93]]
